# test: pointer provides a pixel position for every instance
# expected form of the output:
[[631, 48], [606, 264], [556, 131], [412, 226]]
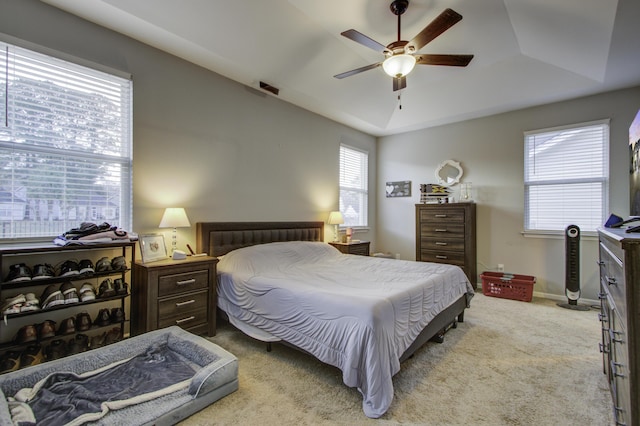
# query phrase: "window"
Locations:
[[65, 145], [354, 194], [566, 177]]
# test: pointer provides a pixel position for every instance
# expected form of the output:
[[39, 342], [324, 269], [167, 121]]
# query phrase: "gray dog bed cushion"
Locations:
[[216, 375]]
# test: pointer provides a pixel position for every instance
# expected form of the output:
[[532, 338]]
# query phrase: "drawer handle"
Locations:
[[186, 302], [180, 321], [602, 296], [438, 243], [602, 317], [600, 263], [439, 256], [614, 368], [613, 334], [440, 215], [440, 230], [611, 281], [604, 349], [186, 282]]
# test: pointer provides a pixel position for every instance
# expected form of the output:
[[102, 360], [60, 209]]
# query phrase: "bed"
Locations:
[[278, 281]]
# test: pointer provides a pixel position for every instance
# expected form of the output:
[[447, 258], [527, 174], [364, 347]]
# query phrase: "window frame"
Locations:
[[361, 190], [603, 179], [122, 161]]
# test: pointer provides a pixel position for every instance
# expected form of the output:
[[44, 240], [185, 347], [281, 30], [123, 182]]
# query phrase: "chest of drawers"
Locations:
[[619, 254], [175, 292], [446, 233]]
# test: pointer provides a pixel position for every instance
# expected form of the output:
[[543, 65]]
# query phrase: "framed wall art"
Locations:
[[152, 248], [398, 189]]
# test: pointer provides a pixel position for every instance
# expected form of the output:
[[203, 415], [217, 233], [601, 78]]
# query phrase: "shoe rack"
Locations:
[[31, 337]]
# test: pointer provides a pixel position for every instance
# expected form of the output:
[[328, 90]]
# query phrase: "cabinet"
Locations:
[[31, 333], [361, 247], [175, 292], [446, 233], [619, 262]]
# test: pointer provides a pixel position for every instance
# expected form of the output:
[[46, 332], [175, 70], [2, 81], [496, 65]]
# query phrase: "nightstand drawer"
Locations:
[[179, 283], [184, 310]]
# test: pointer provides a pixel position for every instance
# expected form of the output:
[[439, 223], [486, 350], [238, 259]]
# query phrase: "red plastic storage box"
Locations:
[[508, 286]]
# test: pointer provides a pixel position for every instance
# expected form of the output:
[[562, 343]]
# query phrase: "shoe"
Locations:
[[51, 297], [121, 287], [68, 326], [119, 263], [78, 344], [10, 361], [98, 341], [56, 350], [32, 355], [46, 329], [31, 303], [103, 265], [117, 315], [113, 335], [27, 334], [43, 271], [18, 272], [83, 321], [86, 267], [69, 292], [103, 318], [106, 289], [87, 292], [13, 305], [69, 268]]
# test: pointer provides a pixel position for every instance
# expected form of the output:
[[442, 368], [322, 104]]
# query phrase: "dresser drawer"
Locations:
[[181, 282], [184, 310], [436, 256], [612, 278], [442, 230], [442, 215], [443, 244]]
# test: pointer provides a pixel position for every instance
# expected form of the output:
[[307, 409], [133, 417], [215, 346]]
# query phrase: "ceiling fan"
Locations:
[[400, 55]]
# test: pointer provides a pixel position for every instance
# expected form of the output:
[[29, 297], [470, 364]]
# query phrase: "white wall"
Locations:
[[222, 150], [491, 152]]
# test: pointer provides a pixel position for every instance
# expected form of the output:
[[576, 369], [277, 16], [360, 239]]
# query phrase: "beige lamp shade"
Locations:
[[174, 217], [335, 218]]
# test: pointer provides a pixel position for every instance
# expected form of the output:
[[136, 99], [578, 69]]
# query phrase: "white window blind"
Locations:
[[65, 145], [354, 194], [566, 177]]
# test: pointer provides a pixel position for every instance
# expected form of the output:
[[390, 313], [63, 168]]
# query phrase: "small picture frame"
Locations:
[[152, 248]]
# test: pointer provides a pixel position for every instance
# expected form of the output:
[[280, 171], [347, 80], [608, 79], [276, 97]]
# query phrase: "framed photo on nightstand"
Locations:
[[152, 248]]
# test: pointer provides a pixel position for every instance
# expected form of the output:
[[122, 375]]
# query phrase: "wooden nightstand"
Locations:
[[361, 247], [175, 292]]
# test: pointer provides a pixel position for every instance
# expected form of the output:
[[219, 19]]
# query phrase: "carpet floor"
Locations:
[[508, 363]]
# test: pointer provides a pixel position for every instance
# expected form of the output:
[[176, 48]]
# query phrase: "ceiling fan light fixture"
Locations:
[[399, 65]]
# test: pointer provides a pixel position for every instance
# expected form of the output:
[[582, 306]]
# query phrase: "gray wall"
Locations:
[[223, 151], [491, 152]]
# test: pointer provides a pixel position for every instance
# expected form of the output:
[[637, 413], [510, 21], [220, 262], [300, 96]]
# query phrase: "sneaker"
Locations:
[[31, 303], [103, 265], [86, 267], [87, 292], [51, 297], [68, 268], [119, 263], [56, 350], [13, 305], [83, 321], [106, 289], [103, 318], [122, 288], [69, 292], [43, 271], [18, 272]]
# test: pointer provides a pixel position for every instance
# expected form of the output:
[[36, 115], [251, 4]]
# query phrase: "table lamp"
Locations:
[[174, 217], [335, 219]]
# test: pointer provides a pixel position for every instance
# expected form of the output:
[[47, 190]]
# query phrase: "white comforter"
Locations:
[[353, 312]]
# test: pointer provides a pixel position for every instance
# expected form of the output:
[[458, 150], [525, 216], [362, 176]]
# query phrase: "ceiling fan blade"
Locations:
[[443, 22], [358, 37], [449, 60], [358, 70], [399, 83]]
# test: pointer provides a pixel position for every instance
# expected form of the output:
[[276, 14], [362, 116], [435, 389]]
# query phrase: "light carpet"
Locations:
[[508, 363]]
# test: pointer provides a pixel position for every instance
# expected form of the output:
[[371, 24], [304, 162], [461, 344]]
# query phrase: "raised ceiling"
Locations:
[[527, 52]]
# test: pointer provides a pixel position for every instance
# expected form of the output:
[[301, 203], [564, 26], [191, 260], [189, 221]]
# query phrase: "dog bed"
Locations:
[[215, 376]]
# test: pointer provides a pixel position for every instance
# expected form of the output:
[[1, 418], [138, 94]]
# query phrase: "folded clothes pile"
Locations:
[[89, 233]]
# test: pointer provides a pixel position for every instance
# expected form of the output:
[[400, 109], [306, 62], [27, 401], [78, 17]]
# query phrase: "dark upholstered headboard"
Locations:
[[219, 238]]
